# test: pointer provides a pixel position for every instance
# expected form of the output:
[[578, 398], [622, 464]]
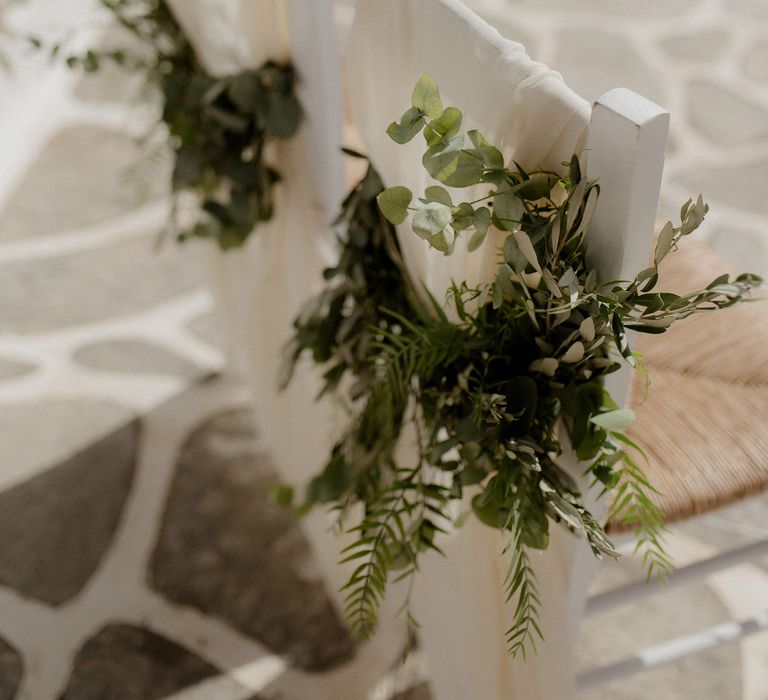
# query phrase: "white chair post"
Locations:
[[625, 154], [459, 600]]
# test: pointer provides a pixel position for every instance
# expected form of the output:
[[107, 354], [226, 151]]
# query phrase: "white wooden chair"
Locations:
[[461, 605], [459, 599]]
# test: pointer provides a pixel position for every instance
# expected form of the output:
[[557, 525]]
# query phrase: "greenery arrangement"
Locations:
[[218, 128], [496, 390]]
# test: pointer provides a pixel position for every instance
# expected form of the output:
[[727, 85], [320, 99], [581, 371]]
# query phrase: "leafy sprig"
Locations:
[[495, 388], [218, 128]]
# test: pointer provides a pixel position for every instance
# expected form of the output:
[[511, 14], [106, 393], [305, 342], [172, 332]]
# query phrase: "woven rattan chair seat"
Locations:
[[704, 421]]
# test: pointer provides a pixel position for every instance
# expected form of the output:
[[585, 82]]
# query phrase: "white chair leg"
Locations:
[[459, 603], [674, 650], [637, 590], [460, 606]]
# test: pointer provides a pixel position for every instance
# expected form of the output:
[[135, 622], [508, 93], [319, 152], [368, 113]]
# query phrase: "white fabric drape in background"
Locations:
[[261, 287], [527, 110]]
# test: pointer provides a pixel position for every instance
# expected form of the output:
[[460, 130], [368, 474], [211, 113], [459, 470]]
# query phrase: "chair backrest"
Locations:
[[625, 154], [519, 104]]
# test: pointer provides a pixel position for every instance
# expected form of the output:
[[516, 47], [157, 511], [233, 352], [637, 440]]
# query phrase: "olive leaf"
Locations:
[[526, 248], [664, 243], [620, 419]]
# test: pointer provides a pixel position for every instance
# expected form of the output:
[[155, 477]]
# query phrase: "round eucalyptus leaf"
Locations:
[[441, 160], [508, 208], [444, 240], [492, 157], [435, 193], [445, 127], [426, 97], [408, 126], [393, 203], [468, 171], [431, 219], [477, 240]]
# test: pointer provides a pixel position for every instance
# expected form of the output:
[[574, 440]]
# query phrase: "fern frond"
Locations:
[[520, 583], [378, 533], [633, 506]]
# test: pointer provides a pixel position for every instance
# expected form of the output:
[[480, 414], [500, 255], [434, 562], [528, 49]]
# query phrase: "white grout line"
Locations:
[[138, 222]]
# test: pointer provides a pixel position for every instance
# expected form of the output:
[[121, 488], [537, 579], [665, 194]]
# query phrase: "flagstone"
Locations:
[[11, 670], [83, 176], [208, 328], [739, 186], [587, 61], [417, 692], [746, 249], [677, 611], [36, 435], [56, 527], [130, 355], [706, 45], [86, 287], [123, 662], [724, 115], [756, 61], [10, 369], [226, 550]]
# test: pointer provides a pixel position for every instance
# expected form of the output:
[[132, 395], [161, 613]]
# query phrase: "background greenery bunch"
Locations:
[[495, 392], [218, 128]]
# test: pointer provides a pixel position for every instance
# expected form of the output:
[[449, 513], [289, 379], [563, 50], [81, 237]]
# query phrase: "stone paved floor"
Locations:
[[139, 556]]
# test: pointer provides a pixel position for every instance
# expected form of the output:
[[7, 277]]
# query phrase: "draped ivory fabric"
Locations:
[[261, 287], [525, 109], [519, 105]]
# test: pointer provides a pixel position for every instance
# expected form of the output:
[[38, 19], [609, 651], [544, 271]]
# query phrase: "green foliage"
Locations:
[[394, 202], [495, 390], [218, 128]]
